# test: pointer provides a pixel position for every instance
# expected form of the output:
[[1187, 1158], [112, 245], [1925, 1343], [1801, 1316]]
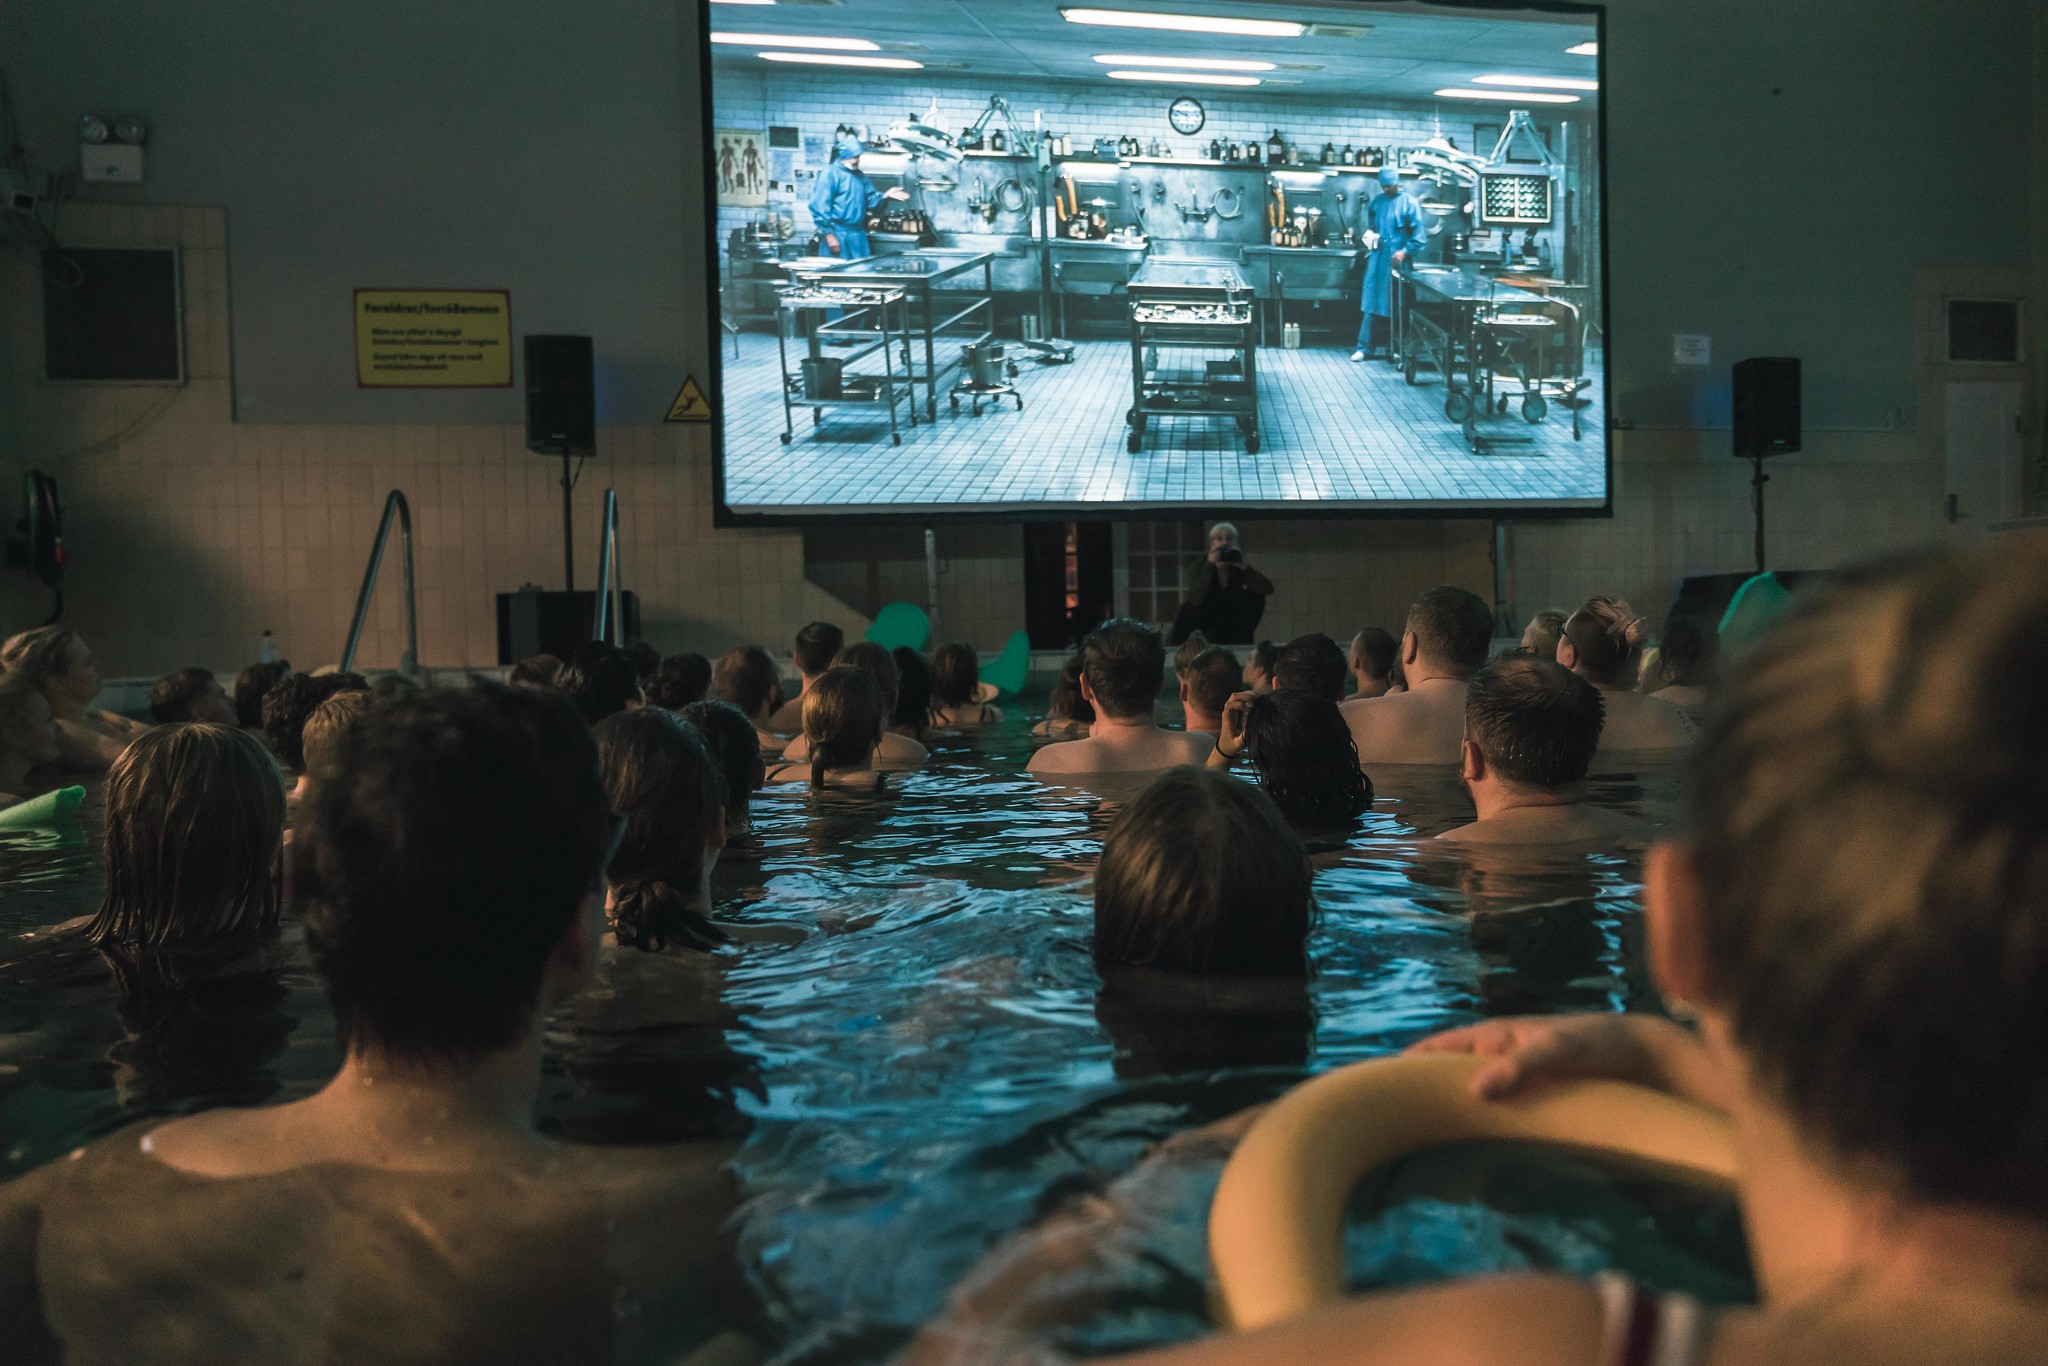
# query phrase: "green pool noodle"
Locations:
[[901, 624], [47, 809], [1007, 672]]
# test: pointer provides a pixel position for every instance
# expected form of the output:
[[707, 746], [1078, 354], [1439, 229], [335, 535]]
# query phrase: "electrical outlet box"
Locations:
[[22, 191], [105, 162]]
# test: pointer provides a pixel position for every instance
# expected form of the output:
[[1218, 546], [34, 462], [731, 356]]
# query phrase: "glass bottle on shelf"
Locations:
[[1329, 154], [1276, 148]]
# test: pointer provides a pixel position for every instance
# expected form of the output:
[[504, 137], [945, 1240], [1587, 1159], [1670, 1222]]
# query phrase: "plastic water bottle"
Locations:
[[266, 653]]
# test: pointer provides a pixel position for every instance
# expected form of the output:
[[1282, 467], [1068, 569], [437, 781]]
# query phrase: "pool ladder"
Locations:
[[607, 619], [409, 662]]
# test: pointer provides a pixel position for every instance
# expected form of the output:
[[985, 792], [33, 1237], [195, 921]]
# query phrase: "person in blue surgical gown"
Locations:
[[1396, 229], [842, 200]]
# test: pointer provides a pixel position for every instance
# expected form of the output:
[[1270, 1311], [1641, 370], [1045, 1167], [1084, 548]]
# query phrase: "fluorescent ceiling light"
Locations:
[[1185, 23], [1581, 50], [1533, 82], [840, 59], [789, 40], [1188, 63], [1461, 93], [1183, 77], [742, 2]]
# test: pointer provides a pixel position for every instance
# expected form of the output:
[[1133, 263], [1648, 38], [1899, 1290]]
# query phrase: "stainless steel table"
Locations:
[[1199, 306], [921, 274]]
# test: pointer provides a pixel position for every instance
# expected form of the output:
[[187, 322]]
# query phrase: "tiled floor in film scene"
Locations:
[[1332, 430]]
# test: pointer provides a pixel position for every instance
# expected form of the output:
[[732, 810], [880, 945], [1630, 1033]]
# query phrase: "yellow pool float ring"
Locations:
[[1275, 1230]]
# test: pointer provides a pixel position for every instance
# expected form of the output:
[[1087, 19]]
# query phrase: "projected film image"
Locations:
[[980, 256]]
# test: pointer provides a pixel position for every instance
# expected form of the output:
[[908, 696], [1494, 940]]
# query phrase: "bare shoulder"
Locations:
[[1500, 1321], [1062, 756], [1198, 743]]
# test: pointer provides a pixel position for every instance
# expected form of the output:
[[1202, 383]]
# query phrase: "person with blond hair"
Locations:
[[59, 664], [1221, 595]]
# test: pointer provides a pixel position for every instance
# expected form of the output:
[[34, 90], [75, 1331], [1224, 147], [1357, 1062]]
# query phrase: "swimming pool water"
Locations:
[[918, 1055]]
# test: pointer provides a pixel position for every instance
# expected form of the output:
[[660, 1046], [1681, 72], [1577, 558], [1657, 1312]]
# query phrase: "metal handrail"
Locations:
[[408, 663], [607, 620]]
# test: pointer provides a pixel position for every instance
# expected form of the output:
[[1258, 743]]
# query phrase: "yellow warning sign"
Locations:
[[690, 404]]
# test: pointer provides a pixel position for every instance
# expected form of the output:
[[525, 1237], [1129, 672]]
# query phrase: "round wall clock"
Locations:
[[1186, 115]]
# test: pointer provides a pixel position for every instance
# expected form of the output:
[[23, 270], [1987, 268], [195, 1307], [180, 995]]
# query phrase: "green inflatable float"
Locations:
[[48, 809]]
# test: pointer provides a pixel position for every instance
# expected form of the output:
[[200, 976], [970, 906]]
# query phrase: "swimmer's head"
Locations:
[[1690, 651], [191, 695], [843, 720], [290, 701], [1258, 669], [659, 775], [251, 685], [956, 674], [678, 681], [734, 746], [875, 661], [1372, 655], [1066, 705], [1862, 899], [537, 671], [1305, 756], [1603, 641], [746, 678], [602, 680], [320, 738], [817, 645], [449, 870], [195, 830], [1210, 679], [1201, 873], [1541, 635], [1450, 630], [1311, 663], [913, 688], [1532, 722], [1123, 662]]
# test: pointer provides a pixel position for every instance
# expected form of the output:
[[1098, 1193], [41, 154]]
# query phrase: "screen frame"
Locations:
[[724, 515]]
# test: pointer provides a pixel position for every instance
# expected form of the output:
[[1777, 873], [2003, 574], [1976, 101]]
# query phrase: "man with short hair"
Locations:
[[817, 645], [1448, 633], [191, 695], [1206, 684], [1532, 727], [1123, 666], [450, 872], [1372, 662], [1311, 663]]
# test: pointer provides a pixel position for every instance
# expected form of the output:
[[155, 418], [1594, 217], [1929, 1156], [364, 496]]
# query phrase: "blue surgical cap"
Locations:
[[1389, 176], [847, 147]]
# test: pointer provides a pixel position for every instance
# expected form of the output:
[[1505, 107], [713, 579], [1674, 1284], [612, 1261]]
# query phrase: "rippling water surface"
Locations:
[[917, 1054]]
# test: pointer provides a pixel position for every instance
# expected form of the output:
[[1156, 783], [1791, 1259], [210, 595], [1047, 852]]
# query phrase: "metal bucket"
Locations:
[[1290, 337], [985, 363], [824, 378]]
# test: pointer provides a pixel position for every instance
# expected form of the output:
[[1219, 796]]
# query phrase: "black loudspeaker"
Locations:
[[561, 396], [1766, 406], [532, 622]]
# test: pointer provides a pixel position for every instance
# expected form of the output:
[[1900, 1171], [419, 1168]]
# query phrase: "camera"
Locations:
[[1231, 555]]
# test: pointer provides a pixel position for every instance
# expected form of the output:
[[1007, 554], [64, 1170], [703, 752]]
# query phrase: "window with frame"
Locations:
[[1156, 555]]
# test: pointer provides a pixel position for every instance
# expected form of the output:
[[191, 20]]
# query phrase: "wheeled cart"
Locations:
[[1194, 347], [951, 305], [1489, 341], [866, 322]]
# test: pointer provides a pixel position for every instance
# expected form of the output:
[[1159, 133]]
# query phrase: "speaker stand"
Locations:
[[1757, 483], [569, 529]]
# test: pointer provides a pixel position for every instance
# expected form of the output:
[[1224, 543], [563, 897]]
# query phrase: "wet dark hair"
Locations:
[[956, 673], [913, 688], [1066, 703], [1608, 638], [1872, 853], [1312, 663], [1537, 722], [746, 677], [842, 719], [646, 659], [679, 681], [1213, 678], [1690, 652], [1264, 655], [1452, 626], [1375, 651], [172, 697], [252, 685], [736, 749], [602, 680], [537, 671], [290, 701], [442, 860], [1125, 664], [817, 645], [1202, 874], [1305, 756], [321, 734], [194, 829], [659, 775]]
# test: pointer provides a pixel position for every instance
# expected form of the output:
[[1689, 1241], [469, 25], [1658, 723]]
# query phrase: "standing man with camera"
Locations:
[[1222, 596]]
